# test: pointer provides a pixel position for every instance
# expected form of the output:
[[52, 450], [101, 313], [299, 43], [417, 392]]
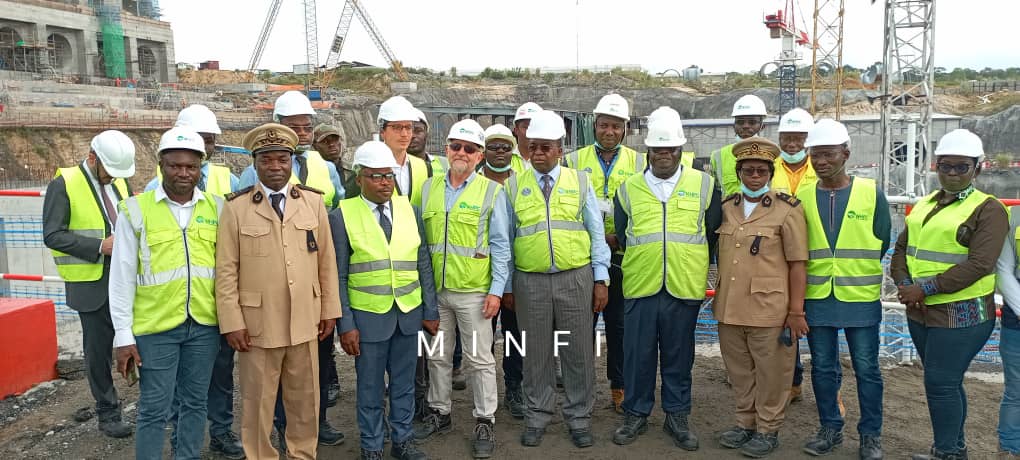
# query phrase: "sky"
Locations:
[[716, 35]]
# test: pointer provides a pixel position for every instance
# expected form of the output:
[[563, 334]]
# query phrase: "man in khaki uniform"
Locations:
[[276, 294]]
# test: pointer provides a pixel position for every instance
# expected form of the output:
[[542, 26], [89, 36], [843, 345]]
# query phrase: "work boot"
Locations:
[[735, 438], [407, 450], [485, 439], [514, 399], [332, 394], [676, 426], [936, 454], [824, 441], [760, 445], [795, 394], [328, 436], [632, 427], [618, 400], [581, 437], [459, 380], [371, 454], [227, 445], [871, 448], [433, 424], [532, 437], [116, 428]]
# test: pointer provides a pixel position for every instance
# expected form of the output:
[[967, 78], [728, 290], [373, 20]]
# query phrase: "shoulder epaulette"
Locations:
[[310, 189], [243, 191], [789, 199], [732, 196]]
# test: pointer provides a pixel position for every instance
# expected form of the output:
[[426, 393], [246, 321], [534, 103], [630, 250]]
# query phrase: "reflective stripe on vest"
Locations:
[[672, 232], [853, 272], [1014, 222], [318, 177], [176, 268], [382, 272], [217, 180], [781, 179], [459, 239], [627, 163], [932, 247], [724, 167], [550, 232], [86, 220]]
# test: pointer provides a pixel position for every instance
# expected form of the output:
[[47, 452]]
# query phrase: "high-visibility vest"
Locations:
[[932, 247], [217, 179], [176, 268], [419, 174], [853, 272], [672, 232], [554, 231], [627, 163], [781, 179], [459, 239], [86, 220], [1014, 223], [440, 165], [724, 167], [318, 177], [687, 159], [518, 164], [382, 272]]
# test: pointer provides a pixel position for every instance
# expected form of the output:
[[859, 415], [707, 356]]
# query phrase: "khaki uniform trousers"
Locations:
[[760, 370]]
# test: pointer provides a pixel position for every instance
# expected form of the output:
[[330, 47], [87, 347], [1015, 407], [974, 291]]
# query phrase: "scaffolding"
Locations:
[[112, 37], [19, 54]]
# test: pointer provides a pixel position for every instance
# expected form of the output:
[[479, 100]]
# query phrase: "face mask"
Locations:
[[795, 158], [600, 147], [495, 169], [754, 193]]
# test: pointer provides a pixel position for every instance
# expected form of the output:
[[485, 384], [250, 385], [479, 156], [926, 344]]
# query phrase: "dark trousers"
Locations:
[[798, 368], [97, 344], [394, 357], [513, 364], [326, 361], [660, 334], [612, 316]]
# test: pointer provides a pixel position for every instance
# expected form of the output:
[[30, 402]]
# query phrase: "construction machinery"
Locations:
[[783, 25], [827, 54]]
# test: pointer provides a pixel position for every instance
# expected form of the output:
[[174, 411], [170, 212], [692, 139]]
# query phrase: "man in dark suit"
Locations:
[[79, 215]]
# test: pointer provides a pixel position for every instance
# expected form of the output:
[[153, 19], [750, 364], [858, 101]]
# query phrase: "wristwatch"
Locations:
[[602, 282]]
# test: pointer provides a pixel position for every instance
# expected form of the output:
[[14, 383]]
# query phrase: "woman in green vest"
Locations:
[[944, 266]]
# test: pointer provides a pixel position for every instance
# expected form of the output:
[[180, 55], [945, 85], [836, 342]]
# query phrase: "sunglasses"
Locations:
[[379, 177], [499, 147], [960, 168], [468, 149], [544, 148], [751, 172]]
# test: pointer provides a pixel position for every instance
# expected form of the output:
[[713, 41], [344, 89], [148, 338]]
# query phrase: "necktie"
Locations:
[[111, 211], [384, 222], [302, 168], [275, 199], [546, 186]]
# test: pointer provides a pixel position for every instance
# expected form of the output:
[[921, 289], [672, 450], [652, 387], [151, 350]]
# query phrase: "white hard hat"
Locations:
[[374, 154], [526, 111], [422, 118], [181, 138], [546, 125], [498, 131], [663, 113], [665, 132], [117, 153], [749, 104], [960, 142], [827, 132], [467, 130], [613, 105], [292, 103], [397, 108], [199, 118], [796, 121]]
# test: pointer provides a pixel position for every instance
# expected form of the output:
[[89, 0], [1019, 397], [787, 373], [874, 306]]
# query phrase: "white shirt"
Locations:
[[268, 191], [403, 173], [662, 188], [108, 189], [375, 209], [749, 207], [1006, 280], [124, 266]]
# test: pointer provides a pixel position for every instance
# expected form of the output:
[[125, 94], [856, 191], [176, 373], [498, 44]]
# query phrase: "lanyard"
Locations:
[[606, 169]]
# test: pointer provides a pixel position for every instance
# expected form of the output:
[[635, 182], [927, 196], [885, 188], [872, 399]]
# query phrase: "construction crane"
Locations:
[[782, 25], [352, 8], [827, 53], [267, 28]]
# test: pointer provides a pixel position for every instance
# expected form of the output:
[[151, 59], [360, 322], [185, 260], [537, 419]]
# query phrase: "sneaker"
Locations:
[[328, 436], [735, 437], [618, 400], [581, 437], [116, 429], [514, 399], [795, 394], [823, 442], [433, 424], [676, 427], [532, 437], [371, 454], [407, 450], [459, 380], [227, 445], [871, 448], [332, 394], [760, 445], [485, 439], [630, 429]]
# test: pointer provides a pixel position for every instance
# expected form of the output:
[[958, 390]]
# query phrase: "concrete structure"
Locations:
[[65, 38]]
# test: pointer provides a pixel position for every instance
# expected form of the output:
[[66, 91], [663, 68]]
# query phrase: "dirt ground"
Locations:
[[40, 425]]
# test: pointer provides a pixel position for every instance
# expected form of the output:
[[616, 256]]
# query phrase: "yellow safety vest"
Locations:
[[1014, 223], [382, 272], [627, 163], [318, 177], [440, 165], [550, 232], [459, 239], [518, 164], [673, 232], [724, 167], [176, 268], [687, 159], [853, 272], [86, 220], [217, 180], [781, 179], [932, 247], [419, 174]]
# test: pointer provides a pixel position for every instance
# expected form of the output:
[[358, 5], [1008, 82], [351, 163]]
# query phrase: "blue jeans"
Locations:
[[946, 353], [1009, 411], [827, 376], [176, 362], [221, 395]]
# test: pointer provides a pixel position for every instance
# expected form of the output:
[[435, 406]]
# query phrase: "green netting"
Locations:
[[113, 49], [585, 129]]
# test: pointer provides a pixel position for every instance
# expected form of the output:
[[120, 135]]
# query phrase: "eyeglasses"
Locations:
[[468, 149], [960, 168], [500, 147], [379, 177], [407, 127], [751, 172], [544, 148]]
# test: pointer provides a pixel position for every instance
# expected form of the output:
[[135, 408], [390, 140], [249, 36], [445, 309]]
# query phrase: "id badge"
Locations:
[[605, 206]]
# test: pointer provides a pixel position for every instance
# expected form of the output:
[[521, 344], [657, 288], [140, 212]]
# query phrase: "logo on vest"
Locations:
[[464, 205], [570, 191], [526, 191], [206, 220], [587, 170], [855, 216], [692, 195]]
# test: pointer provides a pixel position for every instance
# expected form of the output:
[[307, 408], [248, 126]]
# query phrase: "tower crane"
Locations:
[[352, 8], [782, 25]]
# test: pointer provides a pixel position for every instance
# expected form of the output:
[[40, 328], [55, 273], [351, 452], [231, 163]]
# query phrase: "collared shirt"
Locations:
[[234, 181], [249, 178], [108, 189], [403, 178], [499, 233], [124, 265], [375, 208], [795, 176], [269, 192], [663, 188]]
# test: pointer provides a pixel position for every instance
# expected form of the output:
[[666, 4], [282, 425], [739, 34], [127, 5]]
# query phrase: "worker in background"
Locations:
[[215, 179], [669, 213], [608, 163], [848, 229], [759, 300], [329, 143], [562, 275], [944, 267], [418, 147], [276, 295], [522, 119], [162, 299], [467, 227], [686, 158], [396, 129], [748, 120], [500, 144], [1008, 283], [293, 110], [385, 304], [79, 216]]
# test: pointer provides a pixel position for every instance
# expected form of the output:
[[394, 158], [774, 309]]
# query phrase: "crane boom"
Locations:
[[340, 38], [311, 36], [377, 38], [267, 28]]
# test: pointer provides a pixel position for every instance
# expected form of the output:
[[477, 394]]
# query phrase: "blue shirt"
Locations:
[[499, 234], [235, 184], [830, 311], [250, 178]]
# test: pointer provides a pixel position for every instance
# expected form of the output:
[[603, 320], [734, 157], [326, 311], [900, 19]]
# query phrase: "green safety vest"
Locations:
[[687, 159], [459, 239], [853, 272], [932, 247], [673, 232], [382, 272], [440, 165], [554, 231], [724, 167], [419, 174], [517, 163], [628, 163], [318, 177], [176, 268], [217, 182], [86, 220]]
